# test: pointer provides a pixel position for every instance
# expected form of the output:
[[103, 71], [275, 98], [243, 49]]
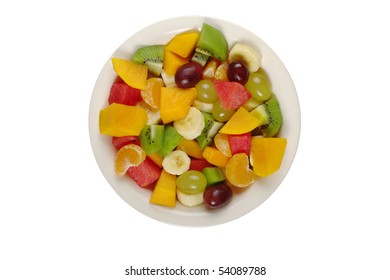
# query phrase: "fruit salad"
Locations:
[[193, 120]]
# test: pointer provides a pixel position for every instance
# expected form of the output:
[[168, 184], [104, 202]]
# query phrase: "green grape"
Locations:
[[258, 86], [191, 182], [220, 114], [206, 91]]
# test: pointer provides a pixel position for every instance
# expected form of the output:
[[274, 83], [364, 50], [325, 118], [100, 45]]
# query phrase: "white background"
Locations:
[[60, 219]]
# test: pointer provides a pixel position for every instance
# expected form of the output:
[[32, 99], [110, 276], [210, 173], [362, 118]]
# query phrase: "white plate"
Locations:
[[242, 203]]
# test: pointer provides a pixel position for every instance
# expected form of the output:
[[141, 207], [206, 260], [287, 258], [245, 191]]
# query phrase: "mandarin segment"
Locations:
[[152, 92], [127, 156], [237, 171], [215, 156]]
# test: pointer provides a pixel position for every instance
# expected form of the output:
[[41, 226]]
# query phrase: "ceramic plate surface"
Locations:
[[243, 202]]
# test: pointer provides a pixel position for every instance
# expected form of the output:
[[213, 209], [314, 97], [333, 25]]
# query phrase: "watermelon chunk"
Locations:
[[145, 174], [120, 141], [232, 94], [124, 94], [240, 143], [199, 164]]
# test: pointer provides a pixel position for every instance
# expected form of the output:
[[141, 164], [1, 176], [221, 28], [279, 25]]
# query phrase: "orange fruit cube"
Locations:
[[175, 103], [164, 192], [191, 148], [184, 43], [122, 120], [241, 122], [215, 156], [131, 73], [172, 62], [267, 154]]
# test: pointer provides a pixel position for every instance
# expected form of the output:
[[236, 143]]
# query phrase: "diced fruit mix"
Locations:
[[192, 119]]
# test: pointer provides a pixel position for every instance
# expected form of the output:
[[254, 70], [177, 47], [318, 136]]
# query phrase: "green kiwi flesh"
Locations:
[[152, 138], [212, 42], [152, 56], [171, 139], [213, 175], [210, 129], [275, 118]]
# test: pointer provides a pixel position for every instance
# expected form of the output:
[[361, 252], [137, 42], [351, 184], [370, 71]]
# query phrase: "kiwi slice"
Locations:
[[210, 129], [151, 138], [200, 57], [213, 175], [275, 118], [152, 56], [212, 43], [171, 139]]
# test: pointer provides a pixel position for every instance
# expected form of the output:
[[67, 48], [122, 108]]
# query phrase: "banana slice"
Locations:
[[243, 52], [176, 162], [191, 125], [189, 200]]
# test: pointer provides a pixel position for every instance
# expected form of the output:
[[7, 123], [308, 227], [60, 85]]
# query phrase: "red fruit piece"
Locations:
[[121, 141], [124, 94], [240, 143], [199, 164], [232, 94], [145, 174]]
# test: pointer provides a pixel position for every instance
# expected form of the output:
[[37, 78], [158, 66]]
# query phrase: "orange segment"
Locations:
[[267, 154], [152, 92], [131, 73], [241, 122], [222, 143], [210, 68], [215, 156], [127, 156], [122, 120], [237, 171], [221, 72]]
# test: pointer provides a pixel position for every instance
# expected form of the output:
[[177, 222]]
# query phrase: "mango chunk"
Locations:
[[122, 120], [172, 62], [267, 154], [164, 192], [241, 122], [184, 44], [175, 103], [133, 74]]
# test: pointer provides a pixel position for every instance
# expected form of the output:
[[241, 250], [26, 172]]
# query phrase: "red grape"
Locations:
[[216, 196], [188, 75], [238, 72]]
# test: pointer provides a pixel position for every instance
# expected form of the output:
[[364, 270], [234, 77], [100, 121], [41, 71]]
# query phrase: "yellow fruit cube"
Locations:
[[131, 73], [172, 62], [215, 156], [122, 120], [191, 148], [184, 44], [175, 103], [267, 154], [164, 192], [241, 122]]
